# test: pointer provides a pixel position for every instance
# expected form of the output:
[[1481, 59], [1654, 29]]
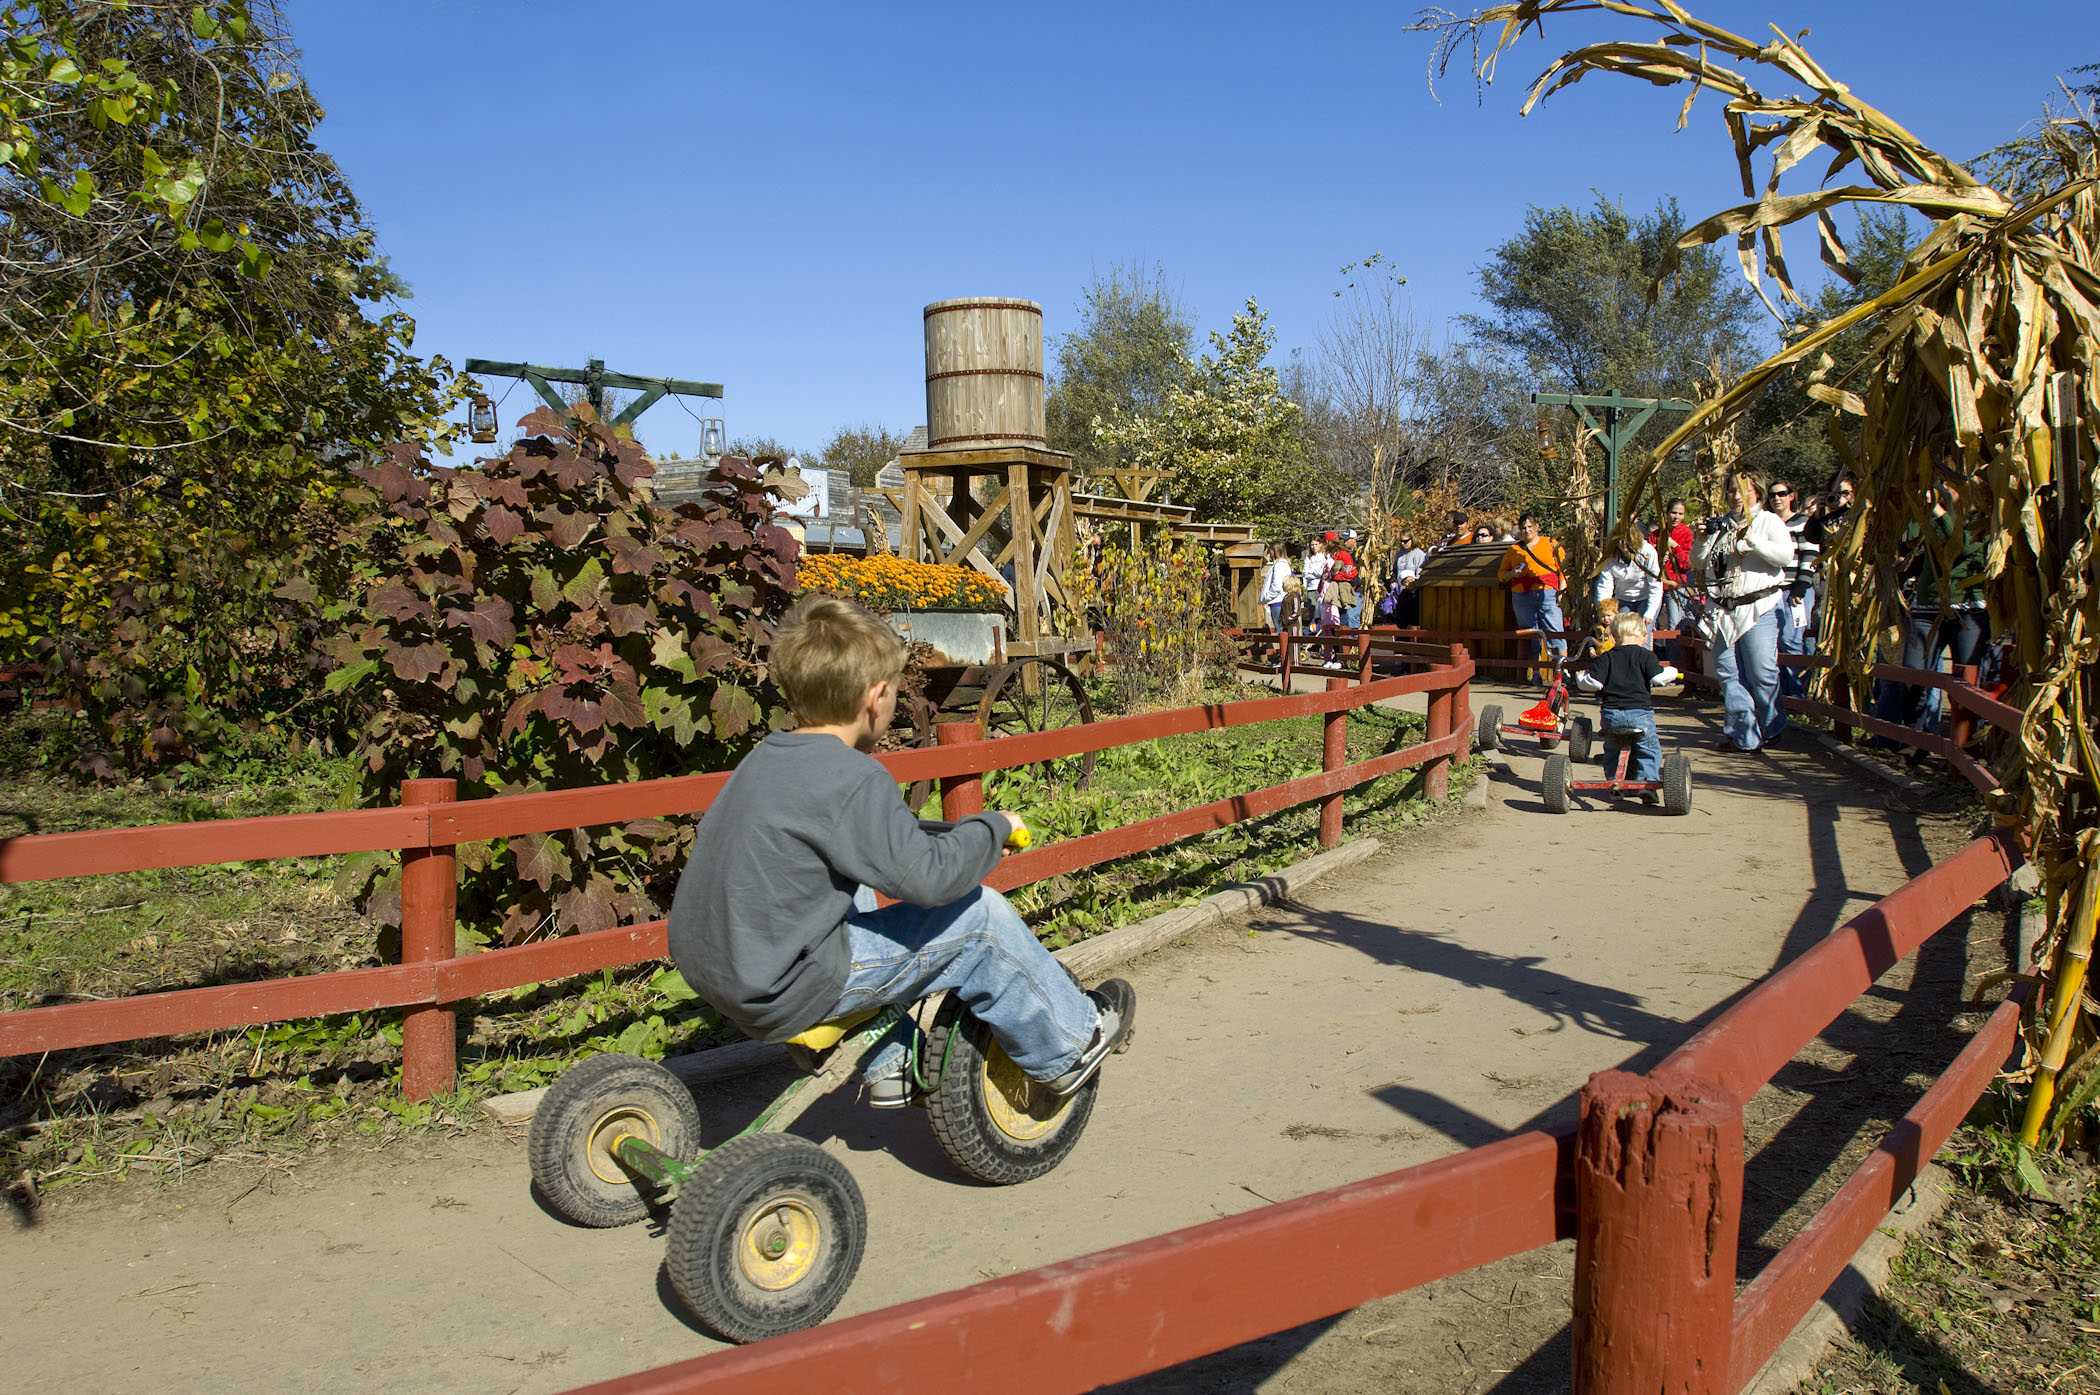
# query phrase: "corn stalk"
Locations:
[[1997, 298]]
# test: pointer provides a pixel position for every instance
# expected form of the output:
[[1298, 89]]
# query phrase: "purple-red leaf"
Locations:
[[416, 662], [502, 524]]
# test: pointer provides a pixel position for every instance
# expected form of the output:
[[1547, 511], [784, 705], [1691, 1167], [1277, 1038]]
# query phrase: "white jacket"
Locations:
[[1634, 582], [1746, 559], [1272, 579]]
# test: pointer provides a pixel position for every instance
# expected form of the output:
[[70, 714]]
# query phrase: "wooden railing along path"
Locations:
[[434, 978]]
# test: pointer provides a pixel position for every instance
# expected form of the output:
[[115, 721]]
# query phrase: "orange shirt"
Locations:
[[1532, 566]]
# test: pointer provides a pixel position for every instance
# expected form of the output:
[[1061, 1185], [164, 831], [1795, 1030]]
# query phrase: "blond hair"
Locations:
[[1629, 627], [827, 653]]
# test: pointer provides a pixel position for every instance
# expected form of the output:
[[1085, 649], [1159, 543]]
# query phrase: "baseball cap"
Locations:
[[1330, 537]]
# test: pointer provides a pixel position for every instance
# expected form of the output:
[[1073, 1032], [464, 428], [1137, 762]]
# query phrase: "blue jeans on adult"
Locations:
[[1961, 637], [1796, 639], [1354, 613], [980, 949], [1639, 724], [1276, 616], [1749, 673], [1540, 610]]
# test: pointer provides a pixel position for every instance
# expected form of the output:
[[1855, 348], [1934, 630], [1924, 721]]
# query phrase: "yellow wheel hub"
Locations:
[[627, 1121], [1021, 1108], [779, 1244]]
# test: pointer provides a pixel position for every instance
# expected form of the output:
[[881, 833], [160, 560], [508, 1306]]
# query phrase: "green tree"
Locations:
[[1232, 445], [1569, 304], [187, 367], [1569, 298], [861, 450], [1132, 347]]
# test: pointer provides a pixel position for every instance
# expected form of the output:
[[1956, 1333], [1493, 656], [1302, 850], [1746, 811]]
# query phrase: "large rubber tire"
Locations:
[[766, 1237], [594, 1104], [1553, 785], [992, 1121], [1490, 727], [1677, 783], [1582, 740]]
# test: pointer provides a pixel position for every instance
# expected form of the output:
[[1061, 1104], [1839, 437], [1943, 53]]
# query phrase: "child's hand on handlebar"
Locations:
[[1018, 837]]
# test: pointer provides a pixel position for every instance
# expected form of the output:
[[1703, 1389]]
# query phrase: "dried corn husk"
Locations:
[[1999, 297]]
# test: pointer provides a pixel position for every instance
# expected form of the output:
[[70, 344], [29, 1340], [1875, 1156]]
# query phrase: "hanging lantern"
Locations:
[[1547, 450], [481, 419]]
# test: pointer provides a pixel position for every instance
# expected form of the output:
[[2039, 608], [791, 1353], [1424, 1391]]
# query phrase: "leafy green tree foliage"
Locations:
[[1132, 348], [1569, 304], [862, 450], [186, 368], [538, 621], [1569, 299], [1231, 443]]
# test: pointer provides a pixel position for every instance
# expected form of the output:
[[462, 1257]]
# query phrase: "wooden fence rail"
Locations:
[[433, 978]]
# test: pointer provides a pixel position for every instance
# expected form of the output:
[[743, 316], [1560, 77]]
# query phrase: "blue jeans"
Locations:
[[1540, 610], [1962, 637], [1638, 723], [980, 949], [1749, 673], [1354, 613], [1276, 616], [1796, 639]]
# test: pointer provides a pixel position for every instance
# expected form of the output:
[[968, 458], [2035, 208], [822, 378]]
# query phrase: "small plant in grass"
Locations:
[[540, 622]]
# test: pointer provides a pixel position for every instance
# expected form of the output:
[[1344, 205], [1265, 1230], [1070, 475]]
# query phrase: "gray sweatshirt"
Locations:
[[758, 927]]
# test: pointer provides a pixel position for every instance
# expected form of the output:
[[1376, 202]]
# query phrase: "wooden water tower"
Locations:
[[987, 492]]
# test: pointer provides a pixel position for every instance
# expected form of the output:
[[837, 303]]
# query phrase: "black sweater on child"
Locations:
[[1626, 671]]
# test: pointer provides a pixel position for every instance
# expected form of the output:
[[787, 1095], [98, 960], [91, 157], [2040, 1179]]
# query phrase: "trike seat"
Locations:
[[831, 1031]]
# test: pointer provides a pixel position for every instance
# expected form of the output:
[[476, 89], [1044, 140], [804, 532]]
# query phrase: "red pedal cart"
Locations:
[[1548, 720], [1555, 785]]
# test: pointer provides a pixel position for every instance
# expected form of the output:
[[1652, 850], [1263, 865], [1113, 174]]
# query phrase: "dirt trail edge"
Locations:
[[1458, 986]]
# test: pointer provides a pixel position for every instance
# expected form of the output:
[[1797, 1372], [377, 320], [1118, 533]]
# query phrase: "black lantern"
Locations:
[[481, 419]]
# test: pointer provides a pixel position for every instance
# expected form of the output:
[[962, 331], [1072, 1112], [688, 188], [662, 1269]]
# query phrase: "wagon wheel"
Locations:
[[1038, 694], [921, 737]]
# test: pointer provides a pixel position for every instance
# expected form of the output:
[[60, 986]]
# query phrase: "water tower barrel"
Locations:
[[984, 373]]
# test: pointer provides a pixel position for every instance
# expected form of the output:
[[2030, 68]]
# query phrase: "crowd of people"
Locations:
[[1748, 580]]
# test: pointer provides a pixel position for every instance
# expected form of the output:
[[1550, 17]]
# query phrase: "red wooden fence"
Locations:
[[433, 977], [1649, 1184]]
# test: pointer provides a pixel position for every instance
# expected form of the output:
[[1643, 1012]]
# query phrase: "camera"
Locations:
[[1715, 523]]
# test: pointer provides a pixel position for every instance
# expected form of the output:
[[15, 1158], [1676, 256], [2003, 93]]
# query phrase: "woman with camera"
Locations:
[[1746, 559]]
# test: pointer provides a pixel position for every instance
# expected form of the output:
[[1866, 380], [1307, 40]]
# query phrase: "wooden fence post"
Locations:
[[1436, 776], [1841, 697], [429, 932], [1961, 722], [1462, 705], [1334, 754], [1289, 648], [1363, 656], [1658, 1200], [961, 795]]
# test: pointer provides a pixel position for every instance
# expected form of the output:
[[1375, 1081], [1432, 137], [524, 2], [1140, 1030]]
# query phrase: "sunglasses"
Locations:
[[1782, 494]]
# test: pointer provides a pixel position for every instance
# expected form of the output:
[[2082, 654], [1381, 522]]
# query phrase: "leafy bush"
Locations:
[[1148, 602], [892, 583], [539, 622]]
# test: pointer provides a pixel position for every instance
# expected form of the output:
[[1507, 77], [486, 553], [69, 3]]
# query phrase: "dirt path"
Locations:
[[1457, 987]]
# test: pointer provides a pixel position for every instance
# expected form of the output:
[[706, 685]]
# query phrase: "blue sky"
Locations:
[[766, 195]]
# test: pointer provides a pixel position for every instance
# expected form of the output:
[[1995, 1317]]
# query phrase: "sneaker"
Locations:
[[1117, 1002], [890, 1092], [1650, 797]]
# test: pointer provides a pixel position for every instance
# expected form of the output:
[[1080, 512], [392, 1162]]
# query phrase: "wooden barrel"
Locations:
[[984, 373]]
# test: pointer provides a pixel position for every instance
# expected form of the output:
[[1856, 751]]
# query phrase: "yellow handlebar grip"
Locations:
[[1018, 840]]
